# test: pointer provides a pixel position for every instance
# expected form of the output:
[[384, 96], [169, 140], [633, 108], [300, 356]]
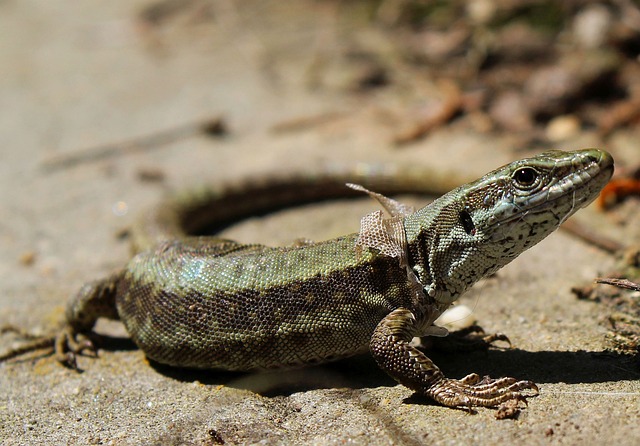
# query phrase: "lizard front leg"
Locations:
[[409, 366]]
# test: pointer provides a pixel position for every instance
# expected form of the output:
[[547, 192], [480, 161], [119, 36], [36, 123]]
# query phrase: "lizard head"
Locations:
[[479, 227]]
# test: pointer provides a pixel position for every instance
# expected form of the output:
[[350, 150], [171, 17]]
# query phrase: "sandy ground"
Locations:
[[83, 76]]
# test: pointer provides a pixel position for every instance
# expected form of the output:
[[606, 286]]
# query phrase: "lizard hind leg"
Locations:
[[409, 366], [94, 300]]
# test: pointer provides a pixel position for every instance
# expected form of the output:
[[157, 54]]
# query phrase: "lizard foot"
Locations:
[[65, 345], [471, 391], [69, 344]]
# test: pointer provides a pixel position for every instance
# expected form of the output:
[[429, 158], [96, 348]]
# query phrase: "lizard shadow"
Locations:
[[355, 372], [543, 366], [360, 372]]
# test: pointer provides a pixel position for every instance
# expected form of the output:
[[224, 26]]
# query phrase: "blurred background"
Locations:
[[394, 72]]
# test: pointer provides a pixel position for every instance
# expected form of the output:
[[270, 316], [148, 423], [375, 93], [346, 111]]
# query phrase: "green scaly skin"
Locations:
[[209, 303]]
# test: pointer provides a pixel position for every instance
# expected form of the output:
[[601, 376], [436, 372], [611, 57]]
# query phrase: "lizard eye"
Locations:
[[467, 222], [525, 177]]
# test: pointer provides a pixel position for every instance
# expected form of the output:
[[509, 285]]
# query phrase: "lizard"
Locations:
[[210, 303]]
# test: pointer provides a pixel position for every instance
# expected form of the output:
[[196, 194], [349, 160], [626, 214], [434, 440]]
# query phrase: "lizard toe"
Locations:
[[488, 392]]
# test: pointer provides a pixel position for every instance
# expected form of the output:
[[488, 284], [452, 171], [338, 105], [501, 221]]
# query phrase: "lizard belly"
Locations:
[[192, 309]]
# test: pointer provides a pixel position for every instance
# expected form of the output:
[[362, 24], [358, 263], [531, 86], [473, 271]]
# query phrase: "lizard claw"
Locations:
[[494, 337]]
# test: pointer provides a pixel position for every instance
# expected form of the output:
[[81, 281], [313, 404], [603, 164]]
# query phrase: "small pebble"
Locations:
[[457, 317], [562, 128]]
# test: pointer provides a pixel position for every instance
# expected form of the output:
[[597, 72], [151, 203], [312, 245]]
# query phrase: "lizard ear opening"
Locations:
[[467, 222]]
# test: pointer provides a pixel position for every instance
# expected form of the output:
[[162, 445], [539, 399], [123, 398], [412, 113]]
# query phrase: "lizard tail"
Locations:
[[207, 209]]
